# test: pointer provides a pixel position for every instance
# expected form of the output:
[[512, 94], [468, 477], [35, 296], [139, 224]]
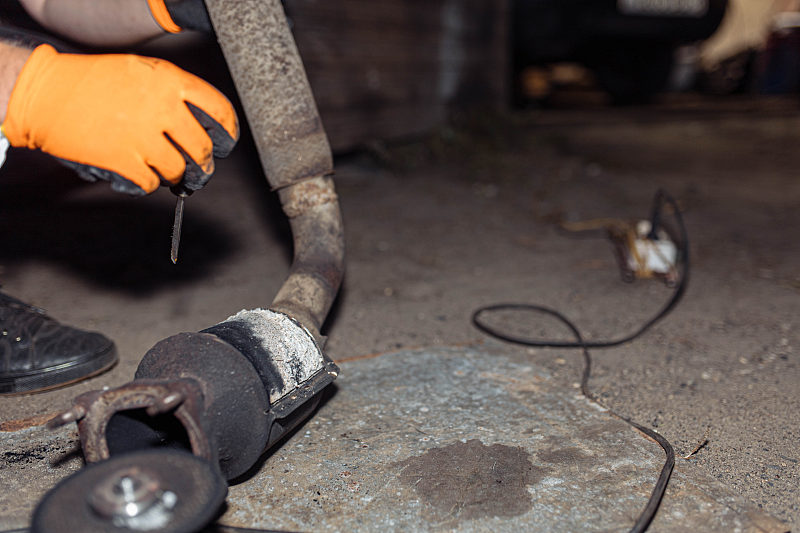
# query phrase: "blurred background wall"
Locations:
[[397, 68]]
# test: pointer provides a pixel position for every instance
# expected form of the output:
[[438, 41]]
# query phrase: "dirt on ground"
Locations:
[[438, 227]]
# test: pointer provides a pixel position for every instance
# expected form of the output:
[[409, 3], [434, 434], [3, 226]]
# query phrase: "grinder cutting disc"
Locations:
[[154, 491]]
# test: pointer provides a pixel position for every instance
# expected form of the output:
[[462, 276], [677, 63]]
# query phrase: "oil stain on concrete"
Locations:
[[469, 480]]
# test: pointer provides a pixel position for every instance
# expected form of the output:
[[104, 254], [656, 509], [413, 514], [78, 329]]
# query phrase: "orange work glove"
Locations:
[[135, 121]]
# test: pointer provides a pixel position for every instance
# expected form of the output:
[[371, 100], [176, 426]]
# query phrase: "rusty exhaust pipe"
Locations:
[[294, 151], [229, 392]]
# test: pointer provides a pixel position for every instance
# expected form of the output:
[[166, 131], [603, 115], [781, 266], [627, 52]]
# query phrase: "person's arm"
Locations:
[[12, 58], [96, 22]]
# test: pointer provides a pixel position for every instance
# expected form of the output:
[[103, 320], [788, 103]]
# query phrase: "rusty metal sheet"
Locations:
[[438, 439]]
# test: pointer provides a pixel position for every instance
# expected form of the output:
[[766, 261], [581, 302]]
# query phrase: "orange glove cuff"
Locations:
[[13, 127], [162, 16]]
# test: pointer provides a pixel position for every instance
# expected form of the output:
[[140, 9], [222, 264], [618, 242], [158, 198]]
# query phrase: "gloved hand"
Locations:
[[135, 121], [177, 15]]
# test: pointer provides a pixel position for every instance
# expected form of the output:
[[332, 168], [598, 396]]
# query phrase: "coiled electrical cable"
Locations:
[[478, 319]]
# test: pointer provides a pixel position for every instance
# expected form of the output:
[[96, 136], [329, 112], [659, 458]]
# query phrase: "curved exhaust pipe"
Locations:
[[294, 150]]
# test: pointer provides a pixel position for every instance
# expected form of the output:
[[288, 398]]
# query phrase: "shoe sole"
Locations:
[[59, 376]]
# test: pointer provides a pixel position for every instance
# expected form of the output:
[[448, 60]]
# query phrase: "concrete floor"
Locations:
[[439, 227], [472, 439]]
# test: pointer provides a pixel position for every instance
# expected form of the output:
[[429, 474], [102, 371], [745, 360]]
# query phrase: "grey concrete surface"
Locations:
[[468, 440], [440, 227], [459, 438]]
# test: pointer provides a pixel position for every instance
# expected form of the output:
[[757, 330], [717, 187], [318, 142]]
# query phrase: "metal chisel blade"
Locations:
[[176, 227]]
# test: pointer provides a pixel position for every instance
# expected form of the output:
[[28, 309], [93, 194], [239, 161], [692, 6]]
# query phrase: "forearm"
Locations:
[[96, 22], [12, 58]]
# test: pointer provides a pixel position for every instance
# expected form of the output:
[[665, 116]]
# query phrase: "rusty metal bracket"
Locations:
[[93, 411]]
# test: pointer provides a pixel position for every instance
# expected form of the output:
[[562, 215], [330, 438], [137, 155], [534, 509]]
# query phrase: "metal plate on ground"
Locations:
[[461, 439]]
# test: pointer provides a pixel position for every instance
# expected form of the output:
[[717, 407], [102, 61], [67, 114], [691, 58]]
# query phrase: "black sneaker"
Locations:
[[38, 353]]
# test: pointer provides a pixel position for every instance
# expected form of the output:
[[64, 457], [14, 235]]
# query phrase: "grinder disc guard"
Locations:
[[154, 491]]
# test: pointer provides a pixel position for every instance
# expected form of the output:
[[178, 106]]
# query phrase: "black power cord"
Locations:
[[661, 199]]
